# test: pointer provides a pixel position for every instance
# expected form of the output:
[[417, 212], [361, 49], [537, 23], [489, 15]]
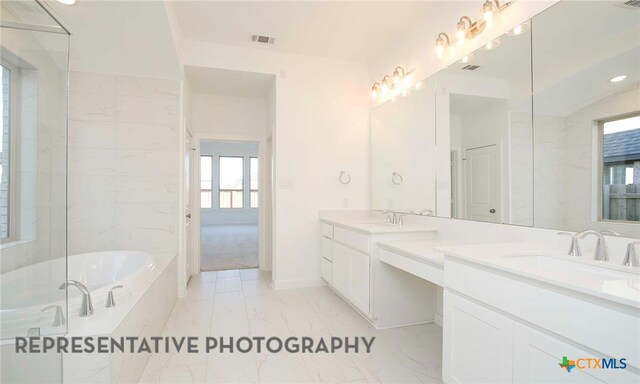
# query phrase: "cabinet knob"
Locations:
[[492, 210]]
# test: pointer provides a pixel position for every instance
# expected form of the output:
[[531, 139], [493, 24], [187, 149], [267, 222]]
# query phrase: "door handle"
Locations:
[[188, 215], [492, 210]]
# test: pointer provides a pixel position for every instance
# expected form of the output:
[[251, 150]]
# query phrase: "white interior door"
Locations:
[[482, 184], [188, 227]]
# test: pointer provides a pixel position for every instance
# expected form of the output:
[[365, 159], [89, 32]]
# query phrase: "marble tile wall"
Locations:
[[123, 163]]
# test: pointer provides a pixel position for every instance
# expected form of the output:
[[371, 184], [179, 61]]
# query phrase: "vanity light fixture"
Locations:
[[441, 43], [375, 91], [464, 26], [468, 29], [398, 74], [67, 2], [617, 79], [391, 83]]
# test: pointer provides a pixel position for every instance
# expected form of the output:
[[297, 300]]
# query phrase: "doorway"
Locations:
[[229, 205], [482, 186]]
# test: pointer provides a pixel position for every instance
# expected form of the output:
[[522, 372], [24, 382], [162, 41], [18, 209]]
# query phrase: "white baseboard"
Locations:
[[289, 284]]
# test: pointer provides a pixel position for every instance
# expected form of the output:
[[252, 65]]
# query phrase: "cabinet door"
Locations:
[[537, 355], [340, 269], [325, 270], [359, 280], [478, 343]]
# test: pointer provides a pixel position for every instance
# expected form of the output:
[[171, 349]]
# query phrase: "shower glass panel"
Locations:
[[34, 51]]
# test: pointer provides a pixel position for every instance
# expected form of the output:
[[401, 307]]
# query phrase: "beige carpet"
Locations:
[[228, 247]]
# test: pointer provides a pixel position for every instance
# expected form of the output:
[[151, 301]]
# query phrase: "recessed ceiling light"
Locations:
[[67, 2], [617, 78]]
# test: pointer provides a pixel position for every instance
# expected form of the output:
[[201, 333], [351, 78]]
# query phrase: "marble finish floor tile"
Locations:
[[242, 303]]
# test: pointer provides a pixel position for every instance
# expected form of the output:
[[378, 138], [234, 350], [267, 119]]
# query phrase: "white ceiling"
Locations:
[[352, 30], [121, 37], [228, 83]]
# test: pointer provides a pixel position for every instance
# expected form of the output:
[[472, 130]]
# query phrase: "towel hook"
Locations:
[[396, 178], [342, 180]]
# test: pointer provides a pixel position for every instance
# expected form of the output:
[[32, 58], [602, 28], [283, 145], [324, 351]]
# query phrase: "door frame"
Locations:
[[263, 252]]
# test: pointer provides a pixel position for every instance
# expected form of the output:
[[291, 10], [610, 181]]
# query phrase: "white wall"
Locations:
[[123, 164], [215, 215], [227, 115], [321, 119]]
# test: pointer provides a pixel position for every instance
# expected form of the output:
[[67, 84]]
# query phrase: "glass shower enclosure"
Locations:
[[34, 58]]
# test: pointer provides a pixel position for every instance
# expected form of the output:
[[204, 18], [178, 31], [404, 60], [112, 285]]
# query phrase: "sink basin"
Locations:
[[565, 265]]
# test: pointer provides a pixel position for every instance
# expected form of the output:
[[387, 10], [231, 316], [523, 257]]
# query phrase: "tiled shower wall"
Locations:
[[123, 163]]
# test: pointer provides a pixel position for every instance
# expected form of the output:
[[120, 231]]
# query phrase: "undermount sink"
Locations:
[[565, 265]]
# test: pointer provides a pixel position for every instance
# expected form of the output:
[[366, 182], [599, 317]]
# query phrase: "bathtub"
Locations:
[[26, 290]]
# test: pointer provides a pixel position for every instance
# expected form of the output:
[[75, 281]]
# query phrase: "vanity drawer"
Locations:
[[352, 239], [326, 269], [327, 230], [326, 248]]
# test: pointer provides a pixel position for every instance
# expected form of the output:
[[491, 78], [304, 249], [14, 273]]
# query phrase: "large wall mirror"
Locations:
[[539, 128], [586, 72]]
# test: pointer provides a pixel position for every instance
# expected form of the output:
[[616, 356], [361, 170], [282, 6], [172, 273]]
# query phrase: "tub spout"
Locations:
[[87, 305]]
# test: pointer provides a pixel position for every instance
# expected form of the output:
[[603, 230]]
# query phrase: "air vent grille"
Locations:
[[633, 3], [470, 67], [263, 39]]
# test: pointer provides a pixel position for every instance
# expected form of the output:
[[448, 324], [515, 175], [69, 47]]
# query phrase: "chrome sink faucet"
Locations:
[[601, 248], [392, 217], [631, 257], [87, 306], [574, 248]]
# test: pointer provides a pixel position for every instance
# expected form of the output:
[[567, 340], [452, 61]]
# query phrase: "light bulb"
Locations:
[[517, 30], [465, 59], [439, 51], [617, 79], [487, 13], [460, 34], [490, 45], [374, 95], [418, 85]]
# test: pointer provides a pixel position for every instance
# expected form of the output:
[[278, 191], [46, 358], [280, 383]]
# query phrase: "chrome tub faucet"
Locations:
[[87, 306]]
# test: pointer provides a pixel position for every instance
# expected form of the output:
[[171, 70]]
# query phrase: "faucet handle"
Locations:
[[110, 300], [631, 257], [58, 320], [574, 248], [400, 221]]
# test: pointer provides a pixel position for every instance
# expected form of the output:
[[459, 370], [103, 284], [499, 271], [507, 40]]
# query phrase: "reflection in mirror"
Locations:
[[483, 115], [586, 64], [403, 152]]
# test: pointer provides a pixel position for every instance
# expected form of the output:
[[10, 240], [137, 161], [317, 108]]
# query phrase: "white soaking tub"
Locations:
[[25, 291]]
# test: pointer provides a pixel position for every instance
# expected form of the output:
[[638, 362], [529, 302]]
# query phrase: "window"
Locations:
[[621, 169], [253, 168], [206, 167], [7, 214], [231, 182]]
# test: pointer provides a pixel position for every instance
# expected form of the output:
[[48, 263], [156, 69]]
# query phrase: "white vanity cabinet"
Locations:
[[501, 328], [386, 296]]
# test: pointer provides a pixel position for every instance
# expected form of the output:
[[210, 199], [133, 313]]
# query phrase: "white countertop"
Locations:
[[420, 250], [372, 224], [616, 283]]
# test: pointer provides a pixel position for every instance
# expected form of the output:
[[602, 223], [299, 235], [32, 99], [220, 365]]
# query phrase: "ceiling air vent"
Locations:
[[633, 3], [470, 67], [263, 39]]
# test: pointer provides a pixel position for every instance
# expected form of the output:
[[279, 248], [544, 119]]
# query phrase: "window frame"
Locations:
[[211, 181], [230, 190], [600, 170], [14, 132], [257, 181]]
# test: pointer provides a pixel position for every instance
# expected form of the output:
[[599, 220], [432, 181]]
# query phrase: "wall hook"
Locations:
[[344, 178], [396, 178]]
